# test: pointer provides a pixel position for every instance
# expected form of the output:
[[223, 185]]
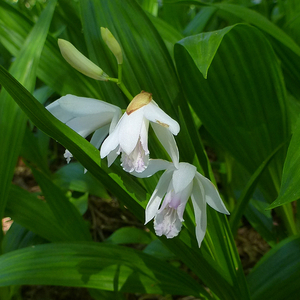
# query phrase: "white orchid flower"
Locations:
[[175, 187], [130, 137], [86, 115]]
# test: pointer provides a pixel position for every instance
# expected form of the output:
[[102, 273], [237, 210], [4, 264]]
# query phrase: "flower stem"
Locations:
[[120, 83]]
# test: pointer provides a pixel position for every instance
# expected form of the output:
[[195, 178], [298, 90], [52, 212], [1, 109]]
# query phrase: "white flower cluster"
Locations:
[[127, 135]]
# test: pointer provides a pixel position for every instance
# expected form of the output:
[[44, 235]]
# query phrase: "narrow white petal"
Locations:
[[85, 125], [110, 143], [184, 197], [212, 196], [99, 136], [199, 210], [153, 113], [79, 106], [144, 135], [130, 129], [168, 141], [111, 157], [158, 194], [183, 176], [154, 166]]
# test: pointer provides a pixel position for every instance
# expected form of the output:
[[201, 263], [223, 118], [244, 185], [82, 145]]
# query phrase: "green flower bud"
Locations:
[[112, 44], [80, 62]]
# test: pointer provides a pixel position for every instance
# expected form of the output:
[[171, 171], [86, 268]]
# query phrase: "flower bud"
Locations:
[[112, 44], [138, 101], [80, 62]]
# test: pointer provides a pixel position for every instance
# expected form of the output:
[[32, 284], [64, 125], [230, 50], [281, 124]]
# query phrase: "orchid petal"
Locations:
[[87, 124], [144, 135], [184, 197], [110, 143], [99, 136], [130, 129], [153, 113], [158, 194], [212, 196], [183, 176], [154, 166], [80, 106], [166, 138], [62, 115], [199, 205], [111, 157]]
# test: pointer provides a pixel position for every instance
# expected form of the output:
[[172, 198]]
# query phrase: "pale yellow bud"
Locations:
[[112, 44], [80, 62], [138, 101]]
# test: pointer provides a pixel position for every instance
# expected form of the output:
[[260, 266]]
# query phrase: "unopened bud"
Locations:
[[112, 44], [138, 101], [80, 62]]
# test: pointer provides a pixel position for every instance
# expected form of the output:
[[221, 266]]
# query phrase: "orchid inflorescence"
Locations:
[[127, 135]]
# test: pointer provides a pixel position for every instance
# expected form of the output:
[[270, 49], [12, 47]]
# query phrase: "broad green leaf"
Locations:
[[65, 212], [72, 177], [129, 235], [277, 274], [52, 69], [34, 214], [248, 191], [242, 101], [12, 119], [18, 237], [93, 265], [289, 190]]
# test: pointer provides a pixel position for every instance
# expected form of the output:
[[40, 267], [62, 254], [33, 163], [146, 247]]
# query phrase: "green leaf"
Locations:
[[34, 214], [277, 274], [242, 101], [65, 213], [289, 190], [93, 265], [129, 235], [12, 119]]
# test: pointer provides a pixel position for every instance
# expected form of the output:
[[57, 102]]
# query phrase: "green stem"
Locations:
[[120, 83]]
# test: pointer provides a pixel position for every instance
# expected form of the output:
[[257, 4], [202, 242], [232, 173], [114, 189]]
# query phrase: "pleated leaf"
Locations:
[[12, 119], [290, 183], [242, 101], [93, 265], [277, 274]]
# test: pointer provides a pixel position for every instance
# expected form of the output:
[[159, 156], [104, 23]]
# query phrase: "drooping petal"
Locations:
[[199, 205], [184, 197], [153, 113], [99, 136], [80, 106], [130, 129], [144, 135], [154, 166], [111, 157], [166, 138], [183, 176], [110, 143], [158, 194], [212, 196], [85, 125]]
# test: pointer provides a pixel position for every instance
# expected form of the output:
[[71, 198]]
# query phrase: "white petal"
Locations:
[[154, 166], [184, 197], [111, 157], [62, 115], [212, 196], [158, 194], [99, 136], [167, 140], [85, 125], [200, 211], [144, 135], [110, 143], [80, 106], [156, 115], [183, 176], [130, 129]]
